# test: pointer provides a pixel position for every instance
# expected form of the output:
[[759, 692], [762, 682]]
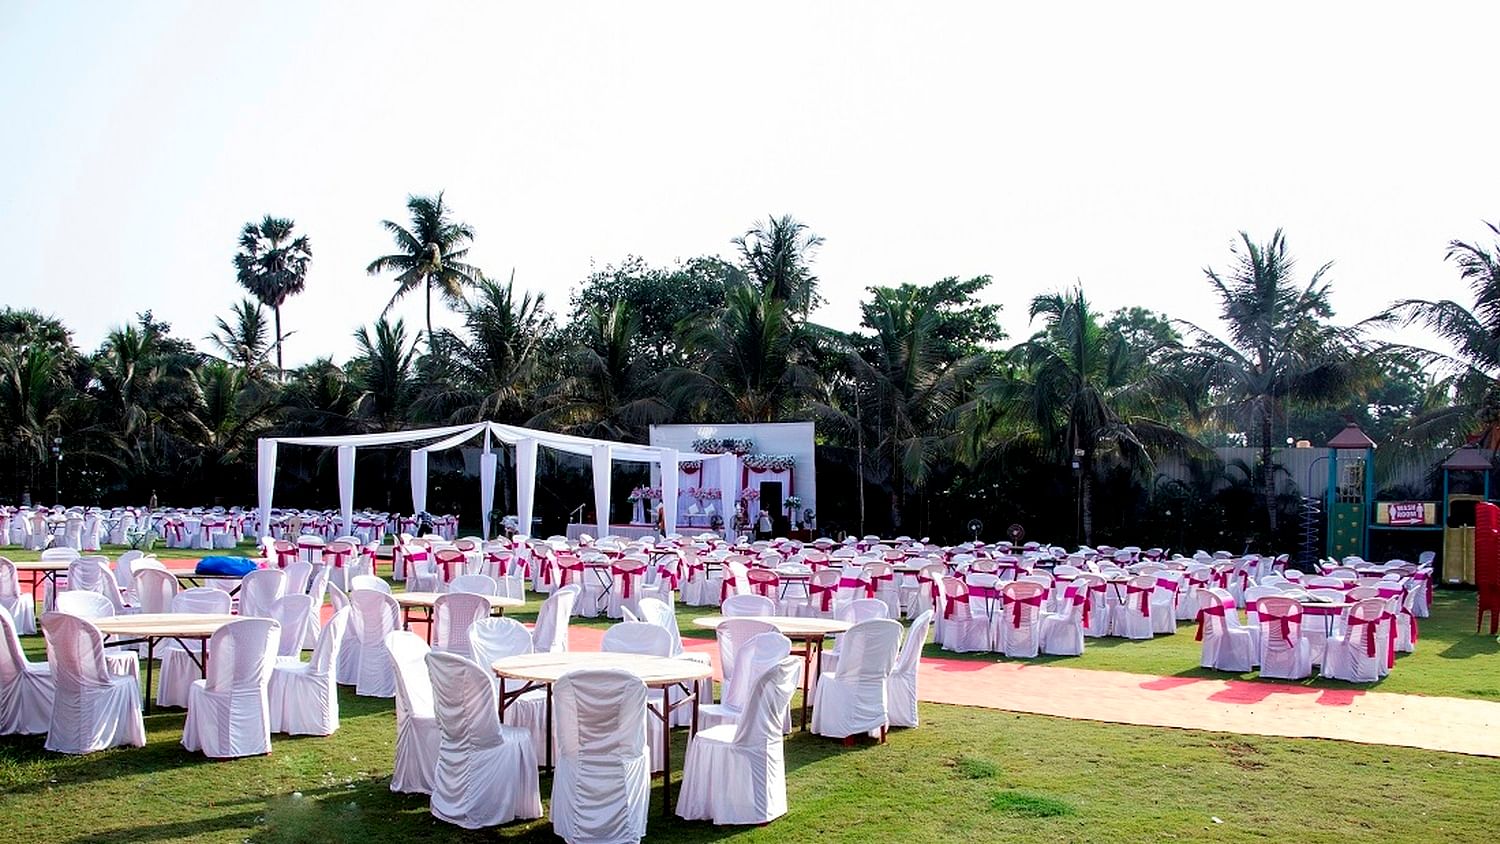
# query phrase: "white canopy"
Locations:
[[602, 453]]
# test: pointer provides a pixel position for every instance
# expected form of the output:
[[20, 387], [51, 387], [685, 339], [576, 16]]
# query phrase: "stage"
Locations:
[[633, 531]]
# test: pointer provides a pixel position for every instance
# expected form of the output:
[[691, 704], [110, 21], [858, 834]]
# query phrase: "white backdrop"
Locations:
[[794, 438]]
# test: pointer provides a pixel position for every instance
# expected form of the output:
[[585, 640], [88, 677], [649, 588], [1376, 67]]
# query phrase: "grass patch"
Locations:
[[1021, 804], [976, 769]]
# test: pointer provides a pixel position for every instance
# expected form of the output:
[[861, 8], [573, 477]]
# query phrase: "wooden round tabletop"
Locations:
[[42, 565], [428, 599], [182, 625], [789, 626], [653, 670]]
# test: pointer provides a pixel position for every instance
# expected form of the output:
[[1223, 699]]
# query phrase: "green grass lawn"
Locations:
[[966, 774]]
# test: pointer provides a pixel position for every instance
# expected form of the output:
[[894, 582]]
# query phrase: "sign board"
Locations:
[[1406, 513]]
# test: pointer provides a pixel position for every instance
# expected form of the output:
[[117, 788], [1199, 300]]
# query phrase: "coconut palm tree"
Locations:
[[383, 373], [429, 254], [1279, 348], [1072, 392], [748, 361], [241, 339], [272, 265], [1471, 373], [487, 371], [601, 391], [777, 254]]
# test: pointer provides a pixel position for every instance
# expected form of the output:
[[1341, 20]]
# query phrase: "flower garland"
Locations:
[[793, 502], [750, 495], [770, 462], [738, 446], [641, 493], [708, 445], [706, 493]]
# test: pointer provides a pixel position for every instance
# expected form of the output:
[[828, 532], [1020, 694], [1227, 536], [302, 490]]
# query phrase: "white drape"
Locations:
[[346, 487], [265, 482], [729, 488], [419, 481], [525, 483], [669, 479], [487, 465], [602, 466]]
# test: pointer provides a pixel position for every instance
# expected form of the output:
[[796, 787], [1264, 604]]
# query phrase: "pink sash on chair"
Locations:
[[1221, 610], [1370, 625], [873, 584], [627, 576], [1017, 605], [1145, 593], [824, 593]]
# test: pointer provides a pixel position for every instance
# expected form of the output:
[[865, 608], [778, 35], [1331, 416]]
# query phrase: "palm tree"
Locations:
[[747, 361], [383, 373], [1279, 348], [599, 394], [241, 339], [488, 371], [1071, 390], [430, 254], [1472, 372], [908, 392], [777, 254], [272, 265]]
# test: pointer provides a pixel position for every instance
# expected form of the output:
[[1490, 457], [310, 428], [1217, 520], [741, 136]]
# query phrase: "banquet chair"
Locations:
[[852, 700], [303, 696], [227, 712], [375, 614], [731, 636], [259, 590], [754, 658], [20, 605], [476, 584], [601, 788], [25, 687], [882, 585], [1131, 619], [765, 583], [1061, 633], [318, 592], [291, 612], [735, 772], [346, 667], [494, 639], [748, 605], [125, 570], [1017, 631], [918, 591], [453, 613], [92, 605], [860, 609], [154, 590], [901, 686], [178, 667], [959, 628], [550, 633], [298, 576], [486, 771], [660, 613], [371, 582], [1283, 652], [338, 559], [1226, 645], [641, 637], [1165, 599], [93, 709], [417, 735], [822, 595], [627, 579], [1354, 654]]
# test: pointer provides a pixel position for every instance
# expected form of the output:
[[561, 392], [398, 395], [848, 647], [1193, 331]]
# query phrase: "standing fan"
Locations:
[[975, 526], [1016, 534]]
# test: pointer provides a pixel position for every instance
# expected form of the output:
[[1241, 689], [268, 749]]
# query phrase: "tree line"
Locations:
[[928, 415]]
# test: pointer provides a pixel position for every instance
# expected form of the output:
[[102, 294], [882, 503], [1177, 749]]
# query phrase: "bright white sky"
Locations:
[[1120, 145]]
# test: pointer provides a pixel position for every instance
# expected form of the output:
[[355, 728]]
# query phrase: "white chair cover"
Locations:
[[478, 584], [486, 771], [1284, 652], [303, 696], [370, 581], [550, 635], [154, 590], [228, 714], [497, 638], [740, 606], [375, 615], [736, 773], [347, 670], [852, 700], [178, 667], [602, 786], [660, 613], [92, 709], [753, 659], [901, 686], [1226, 645], [453, 613], [291, 612], [417, 735], [642, 637], [25, 687], [259, 590], [20, 605]]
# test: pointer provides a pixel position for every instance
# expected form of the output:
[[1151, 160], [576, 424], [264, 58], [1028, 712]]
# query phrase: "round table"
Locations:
[[657, 672], [425, 601], [809, 631], [1327, 610], [151, 628]]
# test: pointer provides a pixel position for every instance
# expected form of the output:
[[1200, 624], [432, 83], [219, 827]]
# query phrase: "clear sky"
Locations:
[[1120, 144]]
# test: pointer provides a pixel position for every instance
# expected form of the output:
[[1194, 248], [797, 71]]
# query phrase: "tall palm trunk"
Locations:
[[429, 313], [277, 311]]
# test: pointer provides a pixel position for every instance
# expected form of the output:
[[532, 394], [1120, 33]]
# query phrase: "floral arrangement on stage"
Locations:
[[708, 445], [691, 466], [644, 493], [793, 502], [770, 462], [750, 495], [732, 445], [741, 446], [706, 493]]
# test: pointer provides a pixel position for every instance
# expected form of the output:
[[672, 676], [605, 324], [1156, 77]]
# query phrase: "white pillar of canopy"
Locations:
[[487, 465], [729, 489], [419, 481], [669, 481], [602, 466], [346, 487], [265, 482], [525, 483]]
